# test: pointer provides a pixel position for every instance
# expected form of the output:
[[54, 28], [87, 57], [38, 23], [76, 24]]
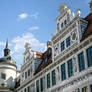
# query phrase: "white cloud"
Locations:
[[26, 15], [2, 43], [30, 38], [23, 15], [35, 15], [32, 28]]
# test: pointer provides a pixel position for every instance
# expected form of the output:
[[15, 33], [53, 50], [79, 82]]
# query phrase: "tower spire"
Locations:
[[90, 6], [6, 50], [7, 43]]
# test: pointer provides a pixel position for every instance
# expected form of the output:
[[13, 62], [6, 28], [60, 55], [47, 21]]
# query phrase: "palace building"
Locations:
[[66, 65]]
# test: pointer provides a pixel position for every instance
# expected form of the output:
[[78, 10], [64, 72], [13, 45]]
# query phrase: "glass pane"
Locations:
[[41, 84], [70, 68], [37, 86], [68, 41], [53, 77], [89, 56], [63, 72], [62, 46], [48, 80], [81, 61]]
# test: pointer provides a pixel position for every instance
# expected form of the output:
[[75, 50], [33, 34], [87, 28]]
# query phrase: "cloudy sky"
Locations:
[[31, 21]]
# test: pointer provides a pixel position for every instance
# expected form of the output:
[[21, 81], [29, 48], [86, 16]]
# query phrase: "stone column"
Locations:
[[85, 59], [75, 64], [57, 74], [50, 79], [45, 82], [89, 89], [66, 68]]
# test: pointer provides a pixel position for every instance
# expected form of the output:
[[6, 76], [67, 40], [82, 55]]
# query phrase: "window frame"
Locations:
[[70, 68], [81, 64], [89, 62], [41, 84], [48, 80], [68, 41], [53, 77], [3, 76], [62, 46], [63, 72]]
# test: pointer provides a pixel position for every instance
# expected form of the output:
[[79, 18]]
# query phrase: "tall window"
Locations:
[[53, 78], [63, 72], [28, 89], [41, 84], [28, 72], [62, 46], [68, 41], [48, 80], [85, 89], [3, 76], [81, 61], [25, 90], [37, 86], [25, 75], [70, 68], [89, 56]]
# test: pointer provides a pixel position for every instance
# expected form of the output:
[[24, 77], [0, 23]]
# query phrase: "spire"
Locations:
[[7, 43], [90, 6], [6, 50]]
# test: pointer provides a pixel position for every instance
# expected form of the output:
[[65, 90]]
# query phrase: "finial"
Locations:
[[27, 45], [6, 50], [7, 43]]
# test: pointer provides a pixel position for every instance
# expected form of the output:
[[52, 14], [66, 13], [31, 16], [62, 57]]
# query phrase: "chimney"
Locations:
[[90, 6]]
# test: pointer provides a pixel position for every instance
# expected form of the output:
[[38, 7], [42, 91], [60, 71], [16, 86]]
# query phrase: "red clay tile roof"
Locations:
[[38, 54], [88, 31]]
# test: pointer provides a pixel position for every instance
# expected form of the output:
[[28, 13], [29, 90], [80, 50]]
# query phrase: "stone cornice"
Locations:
[[8, 68], [8, 63]]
